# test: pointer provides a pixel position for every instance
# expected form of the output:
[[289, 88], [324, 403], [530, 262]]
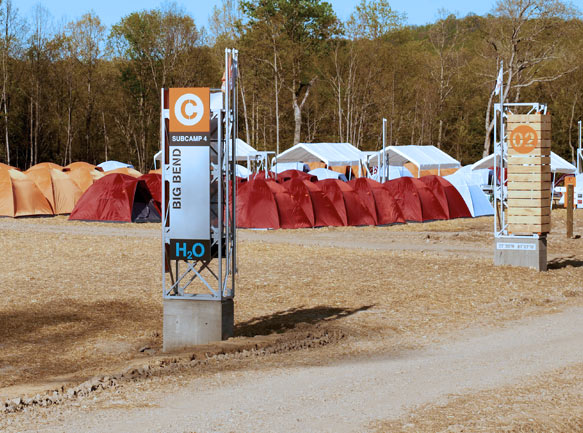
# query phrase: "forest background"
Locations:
[[81, 91]]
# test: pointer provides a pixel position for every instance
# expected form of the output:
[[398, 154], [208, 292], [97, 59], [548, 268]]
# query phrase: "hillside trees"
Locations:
[[81, 91], [526, 35], [304, 28], [151, 50]]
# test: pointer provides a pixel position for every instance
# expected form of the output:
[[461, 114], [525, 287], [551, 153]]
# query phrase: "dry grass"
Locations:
[[545, 404], [75, 305]]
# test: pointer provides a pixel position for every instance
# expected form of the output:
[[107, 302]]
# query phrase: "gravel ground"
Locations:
[[85, 301], [347, 396]]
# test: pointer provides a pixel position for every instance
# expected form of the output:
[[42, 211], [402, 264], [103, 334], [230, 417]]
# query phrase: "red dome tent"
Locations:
[[116, 197], [357, 212], [432, 208], [301, 197], [325, 212], [154, 184], [291, 174], [455, 204], [256, 205], [317, 206], [405, 194], [364, 191], [267, 204], [292, 212], [262, 175], [378, 200]]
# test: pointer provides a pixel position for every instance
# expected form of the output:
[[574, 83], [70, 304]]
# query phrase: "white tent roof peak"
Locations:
[[331, 154], [244, 150], [423, 157], [558, 164]]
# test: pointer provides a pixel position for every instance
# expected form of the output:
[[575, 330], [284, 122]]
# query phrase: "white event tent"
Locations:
[[423, 157], [469, 184], [331, 154], [558, 164], [323, 173]]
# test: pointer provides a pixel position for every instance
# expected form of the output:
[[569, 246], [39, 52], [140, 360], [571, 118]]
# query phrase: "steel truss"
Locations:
[[212, 279], [501, 111]]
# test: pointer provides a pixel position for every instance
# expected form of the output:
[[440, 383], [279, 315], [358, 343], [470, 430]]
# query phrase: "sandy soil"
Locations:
[[83, 299], [344, 396]]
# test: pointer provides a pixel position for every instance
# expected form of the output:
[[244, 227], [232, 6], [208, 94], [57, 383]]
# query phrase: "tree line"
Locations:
[[81, 91]]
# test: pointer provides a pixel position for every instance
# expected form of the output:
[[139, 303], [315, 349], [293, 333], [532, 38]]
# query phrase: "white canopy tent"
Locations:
[[331, 154], [280, 167], [247, 153], [423, 157], [480, 177], [244, 151], [323, 173], [241, 171], [558, 164], [391, 172]]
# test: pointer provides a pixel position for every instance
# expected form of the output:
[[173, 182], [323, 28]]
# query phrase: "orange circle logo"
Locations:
[[523, 139]]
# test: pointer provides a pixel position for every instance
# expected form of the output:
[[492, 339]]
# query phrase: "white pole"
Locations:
[[579, 154], [501, 171], [384, 174]]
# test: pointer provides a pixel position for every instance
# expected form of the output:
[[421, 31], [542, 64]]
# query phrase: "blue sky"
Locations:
[[110, 11]]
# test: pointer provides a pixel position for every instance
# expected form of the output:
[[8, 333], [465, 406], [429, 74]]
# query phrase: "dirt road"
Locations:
[[338, 397]]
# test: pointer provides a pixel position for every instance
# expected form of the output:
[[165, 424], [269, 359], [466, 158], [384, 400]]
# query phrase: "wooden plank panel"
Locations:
[[529, 211], [538, 127], [538, 177], [537, 160], [543, 135], [529, 219], [541, 148], [529, 202], [529, 186], [533, 151], [543, 144], [527, 118], [546, 194], [528, 169], [520, 229]]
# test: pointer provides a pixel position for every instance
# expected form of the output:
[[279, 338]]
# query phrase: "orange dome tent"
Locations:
[[83, 174], [59, 189], [46, 165], [7, 167], [19, 195], [81, 164]]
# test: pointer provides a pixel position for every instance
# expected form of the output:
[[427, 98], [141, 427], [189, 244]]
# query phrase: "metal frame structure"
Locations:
[[212, 279], [579, 155], [501, 110], [384, 173]]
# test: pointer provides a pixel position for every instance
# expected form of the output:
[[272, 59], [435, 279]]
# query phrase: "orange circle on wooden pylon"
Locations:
[[523, 139]]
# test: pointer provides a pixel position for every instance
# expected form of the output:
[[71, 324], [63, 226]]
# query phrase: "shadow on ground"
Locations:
[[57, 338], [565, 263], [282, 321]]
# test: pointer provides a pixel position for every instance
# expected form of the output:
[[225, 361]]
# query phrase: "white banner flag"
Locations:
[[499, 82]]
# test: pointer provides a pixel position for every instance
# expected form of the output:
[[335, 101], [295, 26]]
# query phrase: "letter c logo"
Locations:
[[189, 109]]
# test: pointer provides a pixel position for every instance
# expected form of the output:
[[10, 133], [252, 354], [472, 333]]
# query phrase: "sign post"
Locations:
[[523, 185], [198, 133]]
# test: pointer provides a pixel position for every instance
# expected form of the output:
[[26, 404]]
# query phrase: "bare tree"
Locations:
[[12, 30], [87, 36], [444, 37], [524, 35]]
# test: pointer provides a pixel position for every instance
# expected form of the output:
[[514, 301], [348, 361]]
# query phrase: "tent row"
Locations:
[[49, 189], [299, 202]]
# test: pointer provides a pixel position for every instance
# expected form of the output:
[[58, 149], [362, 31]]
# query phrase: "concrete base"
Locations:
[[524, 252], [188, 323]]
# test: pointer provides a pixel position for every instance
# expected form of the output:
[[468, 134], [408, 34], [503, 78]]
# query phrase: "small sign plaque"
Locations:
[[515, 246]]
